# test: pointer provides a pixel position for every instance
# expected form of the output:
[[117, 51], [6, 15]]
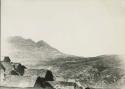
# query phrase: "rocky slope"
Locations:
[[29, 52], [106, 69], [100, 70]]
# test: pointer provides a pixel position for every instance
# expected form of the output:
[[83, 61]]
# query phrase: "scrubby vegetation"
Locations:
[[99, 71], [103, 70]]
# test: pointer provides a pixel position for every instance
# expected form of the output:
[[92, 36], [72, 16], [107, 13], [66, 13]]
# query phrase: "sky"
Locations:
[[78, 27]]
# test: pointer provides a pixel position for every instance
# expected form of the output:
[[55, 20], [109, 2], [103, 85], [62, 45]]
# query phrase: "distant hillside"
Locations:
[[100, 70], [30, 52]]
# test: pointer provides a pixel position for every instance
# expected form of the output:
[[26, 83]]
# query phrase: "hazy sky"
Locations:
[[80, 27]]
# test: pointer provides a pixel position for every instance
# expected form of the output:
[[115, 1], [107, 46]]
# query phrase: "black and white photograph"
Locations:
[[62, 44]]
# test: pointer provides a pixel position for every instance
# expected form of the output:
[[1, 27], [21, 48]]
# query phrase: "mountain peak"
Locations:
[[29, 51], [15, 38], [42, 43]]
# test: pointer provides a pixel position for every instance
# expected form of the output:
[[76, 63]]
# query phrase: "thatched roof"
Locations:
[[63, 79], [19, 68], [16, 65], [60, 78], [2, 67], [37, 72], [58, 84], [2, 70], [42, 73], [1, 87], [6, 59], [19, 81], [8, 67]]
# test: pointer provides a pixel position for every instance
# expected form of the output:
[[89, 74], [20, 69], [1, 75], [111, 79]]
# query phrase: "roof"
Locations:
[[2, 67], [7, 59], [2, 87], [60, 79], [16, 64], [19, 81], [8, 67], [37, 72], [61, 83]]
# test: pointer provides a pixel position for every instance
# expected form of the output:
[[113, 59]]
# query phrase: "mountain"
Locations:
[[99, 70], [30, 52]]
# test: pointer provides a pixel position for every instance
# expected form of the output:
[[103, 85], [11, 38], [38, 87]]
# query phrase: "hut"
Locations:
[[21, 81], [2, 67], [58, 78], [42, 73], [6, 59], [12, 68], [2, 71], [13, 72], [62, 85], [19, 68], [8, 67]]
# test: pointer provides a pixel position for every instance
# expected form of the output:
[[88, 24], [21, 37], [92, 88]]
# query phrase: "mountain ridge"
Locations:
[[25, 49], [105, 69]]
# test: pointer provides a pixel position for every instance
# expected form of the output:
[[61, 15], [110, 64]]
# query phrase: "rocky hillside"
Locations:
[[100, 70], [97, 71], [30, 52]]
